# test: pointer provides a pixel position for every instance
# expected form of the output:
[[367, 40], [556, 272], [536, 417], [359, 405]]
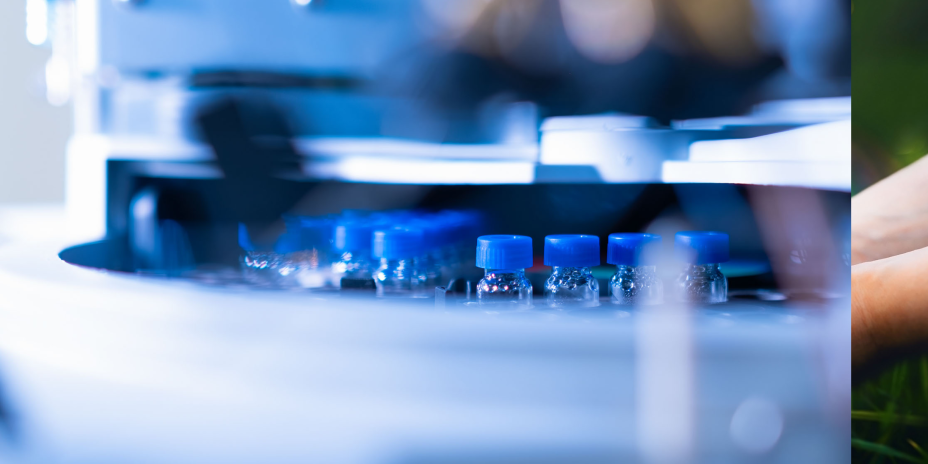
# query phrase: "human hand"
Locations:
[[889, 307], [891, 217]]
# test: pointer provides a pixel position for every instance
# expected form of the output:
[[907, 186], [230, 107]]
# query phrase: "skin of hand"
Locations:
[[889, 307], [889, 276], [891, 217]]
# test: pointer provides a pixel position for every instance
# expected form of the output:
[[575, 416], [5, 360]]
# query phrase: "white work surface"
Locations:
[[104, 368]]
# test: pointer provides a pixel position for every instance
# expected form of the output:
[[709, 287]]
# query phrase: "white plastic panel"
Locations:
[[620, 155], [820, 175], [346, 36], [817, 156]]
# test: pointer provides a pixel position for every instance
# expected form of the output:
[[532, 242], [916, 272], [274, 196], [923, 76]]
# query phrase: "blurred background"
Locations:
[[34, 133], [891, 119]]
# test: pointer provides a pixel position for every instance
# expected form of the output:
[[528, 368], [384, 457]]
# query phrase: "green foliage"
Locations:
[[890, 78], [889, 416]]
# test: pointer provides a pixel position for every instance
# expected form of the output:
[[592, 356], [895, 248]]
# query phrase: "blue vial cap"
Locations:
[[572, 250], [244, 240], [246, 243], [504, 252], [697, 247], [631, 249], [446, 231], [454, 225], [473, 223], [397, 243], [431, 231], [308, 233], [353, 235], [355, 213], [289, 242], [395, 216]]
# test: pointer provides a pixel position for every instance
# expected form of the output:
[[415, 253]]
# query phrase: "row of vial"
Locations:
[[572, 257], [396, 252], [408, 253]]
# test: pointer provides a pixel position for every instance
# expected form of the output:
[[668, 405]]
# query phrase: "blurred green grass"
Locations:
[[889, 418], [890, 87], [889, 415]]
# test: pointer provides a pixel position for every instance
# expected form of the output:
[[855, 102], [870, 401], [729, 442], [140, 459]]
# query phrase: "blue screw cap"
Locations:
[[431, 231], [287, 243], [572, 250], [355, 213], [455, 224], [284, 243], [353, 235], [504, 252], [696, 247], [308, 233], [397, 243], [632, 249], [244, 240]]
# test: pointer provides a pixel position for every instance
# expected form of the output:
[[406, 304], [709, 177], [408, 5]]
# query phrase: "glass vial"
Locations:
[[396, 249], [352, 268], [504, 259], [636, 281], [572, 282], [700, 280]]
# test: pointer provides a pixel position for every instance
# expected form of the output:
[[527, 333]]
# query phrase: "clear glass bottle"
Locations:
[[636, 281], [504, 259], [290, 257], [307, 262], [352, 268], [700, 280], [259, 264], [397, 248], [572, 282], [448, 245], [428, 262]]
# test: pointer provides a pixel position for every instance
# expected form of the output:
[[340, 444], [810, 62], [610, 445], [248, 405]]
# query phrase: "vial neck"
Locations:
[[572, 270], [395, 263], [702, 268], [352, 255], [426, 260], [501, 272], [639, 268]]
